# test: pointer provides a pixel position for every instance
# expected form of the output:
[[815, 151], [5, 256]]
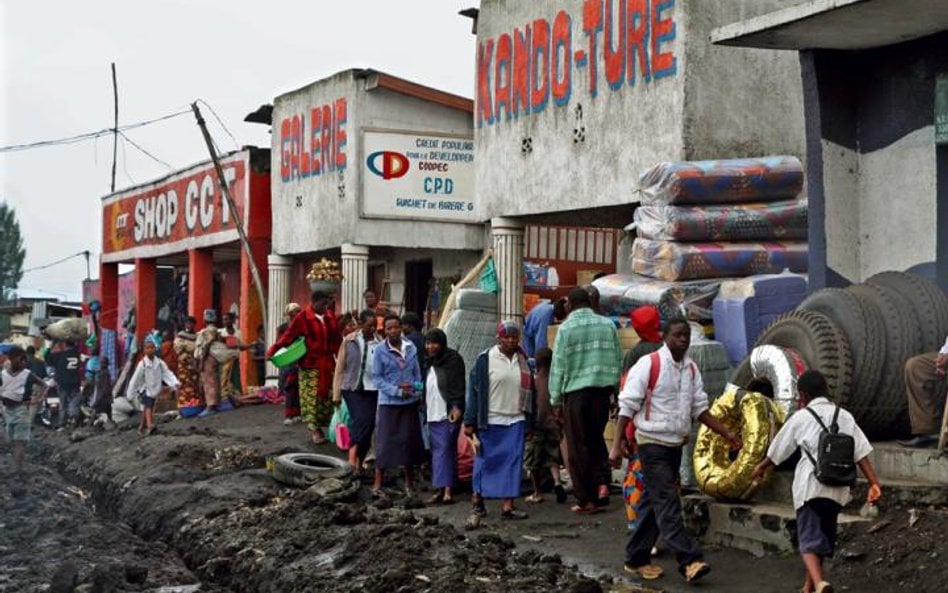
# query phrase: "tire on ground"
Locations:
[[928, 301], [864, 328], [304, 469], [903, 340], [821, 345]]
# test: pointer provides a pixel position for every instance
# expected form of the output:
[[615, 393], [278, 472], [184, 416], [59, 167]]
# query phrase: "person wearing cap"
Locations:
[[318, 325], [647, 323], [289, 379], [149, 376], [584, 375], [19, 389], [500, 396]]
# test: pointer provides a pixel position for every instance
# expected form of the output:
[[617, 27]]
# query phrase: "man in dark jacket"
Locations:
[[67, 371]]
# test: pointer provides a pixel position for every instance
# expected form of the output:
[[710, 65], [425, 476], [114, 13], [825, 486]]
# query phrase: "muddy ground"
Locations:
[[193, 504]]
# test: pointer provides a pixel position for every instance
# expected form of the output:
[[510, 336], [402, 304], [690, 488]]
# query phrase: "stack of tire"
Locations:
[[860, 338]]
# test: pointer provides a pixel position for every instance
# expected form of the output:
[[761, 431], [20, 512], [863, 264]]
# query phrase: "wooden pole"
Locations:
[[115, 128], [245, 243]]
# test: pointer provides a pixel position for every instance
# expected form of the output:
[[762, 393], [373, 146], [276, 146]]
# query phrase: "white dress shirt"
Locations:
[[149, 376]]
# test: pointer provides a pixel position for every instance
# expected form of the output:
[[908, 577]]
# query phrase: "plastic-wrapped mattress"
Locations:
[[671, 261], [470, 333], [619, 294], [784, 220], [731, 181]]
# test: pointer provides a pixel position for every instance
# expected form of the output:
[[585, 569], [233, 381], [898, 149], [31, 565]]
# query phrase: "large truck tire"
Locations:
[[865, 329], [928, 301], [821, 345], [902, 341], [305, 469]]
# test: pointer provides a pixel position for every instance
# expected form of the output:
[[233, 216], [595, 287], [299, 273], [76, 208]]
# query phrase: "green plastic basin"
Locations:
[[287, 356]]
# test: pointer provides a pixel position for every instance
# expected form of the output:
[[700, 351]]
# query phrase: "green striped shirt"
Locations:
[[587, 353]]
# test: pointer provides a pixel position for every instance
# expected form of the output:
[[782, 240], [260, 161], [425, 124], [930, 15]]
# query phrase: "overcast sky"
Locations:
[[233, 54]]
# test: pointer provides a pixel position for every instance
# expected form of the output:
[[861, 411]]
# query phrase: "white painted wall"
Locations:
[[842, 220]]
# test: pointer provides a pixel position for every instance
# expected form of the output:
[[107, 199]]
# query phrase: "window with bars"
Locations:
[[574, 244]]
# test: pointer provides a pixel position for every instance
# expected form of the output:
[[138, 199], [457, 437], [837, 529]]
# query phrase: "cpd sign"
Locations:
[[418, 176]]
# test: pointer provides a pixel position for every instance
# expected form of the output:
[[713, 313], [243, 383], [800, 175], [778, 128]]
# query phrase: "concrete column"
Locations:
[[108, 286], [507, 238], [251, 309], [355, 275], [145, 298], [200, 283], [279, 271]]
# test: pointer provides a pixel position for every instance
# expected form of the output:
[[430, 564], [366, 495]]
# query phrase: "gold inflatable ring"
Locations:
[[756, 418]]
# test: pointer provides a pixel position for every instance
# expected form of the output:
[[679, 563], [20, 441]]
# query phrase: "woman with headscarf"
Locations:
[[206, 364], [444, 379], [184, 342], [500, 395]]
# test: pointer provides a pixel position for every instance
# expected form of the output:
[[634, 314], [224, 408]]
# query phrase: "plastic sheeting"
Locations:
[[666, 260], [781, 367], [731, 181], [619, 294], [757, 420], [784, 220]]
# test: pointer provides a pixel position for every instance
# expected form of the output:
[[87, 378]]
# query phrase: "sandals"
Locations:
[[588, 509], [646, 572], [513, 515], [534, 498], [698, 569], [824, 587]]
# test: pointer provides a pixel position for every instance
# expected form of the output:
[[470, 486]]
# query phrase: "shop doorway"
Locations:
[[418, 274]]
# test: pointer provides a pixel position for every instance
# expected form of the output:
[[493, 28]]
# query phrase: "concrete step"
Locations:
[[894, 492], [894, 462], [758, 528]]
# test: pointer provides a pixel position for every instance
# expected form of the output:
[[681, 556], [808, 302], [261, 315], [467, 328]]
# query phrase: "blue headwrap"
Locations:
[[154, 339], [508, 328]]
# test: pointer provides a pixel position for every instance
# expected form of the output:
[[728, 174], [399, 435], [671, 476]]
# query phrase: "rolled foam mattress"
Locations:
[[619, 294], [784, 220], [731, 181], [667, 260]]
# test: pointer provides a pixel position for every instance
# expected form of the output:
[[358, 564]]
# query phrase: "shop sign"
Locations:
[[186, 210], [941, 109], [610, 45], [418, 176], [313, 143]]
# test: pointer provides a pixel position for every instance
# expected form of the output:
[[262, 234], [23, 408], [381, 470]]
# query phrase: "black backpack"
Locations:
[[834, 457]]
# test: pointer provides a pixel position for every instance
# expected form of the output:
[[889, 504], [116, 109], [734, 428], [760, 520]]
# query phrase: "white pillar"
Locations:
[[280, 268], [507, 238], [355, 275]]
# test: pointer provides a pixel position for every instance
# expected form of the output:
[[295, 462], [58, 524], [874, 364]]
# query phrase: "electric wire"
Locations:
[[221, 122], [145, 152], [55, 263]]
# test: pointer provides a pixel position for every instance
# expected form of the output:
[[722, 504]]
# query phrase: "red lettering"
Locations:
[[521, 72], [637, 43], [663, 29], [485, 108], [540, 65], [562, 59], [592, 24], [615, 58], [295, 148], [314, 146], [284, 151], [339, 131], [325, 139], [502, 76], [304, 154]]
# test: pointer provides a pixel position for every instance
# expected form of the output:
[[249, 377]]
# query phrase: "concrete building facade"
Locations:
[[574, 98], [377, 171], [876, 177]]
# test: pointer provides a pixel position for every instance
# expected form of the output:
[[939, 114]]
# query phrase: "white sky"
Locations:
[[234, 54]]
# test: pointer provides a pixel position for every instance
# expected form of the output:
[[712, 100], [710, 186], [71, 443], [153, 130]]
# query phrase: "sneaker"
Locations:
[[646, 572], [921, 441], [696, 570], [288, 422], [207, 413]]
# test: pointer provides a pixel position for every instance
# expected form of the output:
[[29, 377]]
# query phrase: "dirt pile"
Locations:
[[906, 548]]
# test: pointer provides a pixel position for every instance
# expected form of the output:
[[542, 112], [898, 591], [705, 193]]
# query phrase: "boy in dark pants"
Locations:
[[817, 504], [542, 451]]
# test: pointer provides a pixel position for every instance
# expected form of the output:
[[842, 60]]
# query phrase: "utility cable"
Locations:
[[221, 122], [145, 152], [57, 262], [89, 135]]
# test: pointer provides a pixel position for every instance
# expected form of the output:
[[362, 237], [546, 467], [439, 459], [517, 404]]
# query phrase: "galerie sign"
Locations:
[[418, 176]]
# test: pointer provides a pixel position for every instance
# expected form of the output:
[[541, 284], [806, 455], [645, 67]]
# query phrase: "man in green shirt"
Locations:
[[584, 375]]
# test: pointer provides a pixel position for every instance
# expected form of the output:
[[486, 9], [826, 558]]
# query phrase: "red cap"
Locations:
[[647, 323]]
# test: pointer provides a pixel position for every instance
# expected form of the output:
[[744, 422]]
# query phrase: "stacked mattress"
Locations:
[[472, 327], [619, 294]]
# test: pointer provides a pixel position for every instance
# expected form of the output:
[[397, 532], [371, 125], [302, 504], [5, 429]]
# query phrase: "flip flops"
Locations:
[[646, 572], [588, 509], [534, 498]]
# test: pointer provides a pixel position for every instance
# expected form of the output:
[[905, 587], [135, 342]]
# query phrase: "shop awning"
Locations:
[[838, 24]]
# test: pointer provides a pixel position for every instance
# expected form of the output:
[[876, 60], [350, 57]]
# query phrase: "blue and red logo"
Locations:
[[393, 164]]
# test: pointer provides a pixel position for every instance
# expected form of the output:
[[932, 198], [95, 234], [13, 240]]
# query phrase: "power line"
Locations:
[[89, 135], [57, 262], [145, 152], [214, 113]]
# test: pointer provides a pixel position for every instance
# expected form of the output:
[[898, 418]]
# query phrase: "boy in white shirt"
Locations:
[[817, 504], [150, 374]]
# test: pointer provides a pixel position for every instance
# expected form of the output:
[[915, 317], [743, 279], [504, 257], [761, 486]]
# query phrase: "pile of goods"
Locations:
[[718, 219], [472, 326], [325, 274]]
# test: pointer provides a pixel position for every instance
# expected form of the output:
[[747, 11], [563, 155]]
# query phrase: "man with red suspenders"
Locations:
[[662, 403]]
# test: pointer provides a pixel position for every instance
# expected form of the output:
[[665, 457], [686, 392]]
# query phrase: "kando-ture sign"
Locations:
[[418, 176]]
